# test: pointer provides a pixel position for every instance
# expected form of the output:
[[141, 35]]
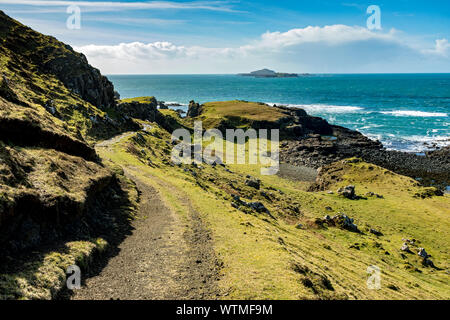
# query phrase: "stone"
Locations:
[[405, 247], [257, 206], [347, 192], [422, 253], [375, 232], [254, 183]]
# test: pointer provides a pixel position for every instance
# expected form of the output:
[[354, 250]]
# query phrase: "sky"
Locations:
[[218, 37]]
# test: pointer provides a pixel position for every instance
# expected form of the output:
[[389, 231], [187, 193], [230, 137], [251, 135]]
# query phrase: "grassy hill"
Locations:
[[62, 202], [287, 254]]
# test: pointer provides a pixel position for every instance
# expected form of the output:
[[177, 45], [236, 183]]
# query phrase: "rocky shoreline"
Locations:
[[315, 150], [313, 142]]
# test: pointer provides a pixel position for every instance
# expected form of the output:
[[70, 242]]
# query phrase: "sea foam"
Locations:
[[321, 108], [412, 113]]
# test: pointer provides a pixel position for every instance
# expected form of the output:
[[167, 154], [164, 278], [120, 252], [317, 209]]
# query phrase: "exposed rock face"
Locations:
[[81, 78], [48, 55], [139, 110]]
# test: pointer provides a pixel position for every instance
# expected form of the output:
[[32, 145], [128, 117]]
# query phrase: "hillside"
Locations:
[[87, 179]]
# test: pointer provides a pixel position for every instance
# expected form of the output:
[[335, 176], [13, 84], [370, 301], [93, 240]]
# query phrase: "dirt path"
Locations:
[[164, 258]]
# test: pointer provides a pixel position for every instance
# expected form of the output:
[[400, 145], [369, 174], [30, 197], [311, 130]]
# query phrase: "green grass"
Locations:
[[265, 258], [237, 113], [139, 99], [43, 275]]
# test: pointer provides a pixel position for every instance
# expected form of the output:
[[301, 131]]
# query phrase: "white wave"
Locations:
[[175, 103], [321, 108], [412, 113], [415, 143]]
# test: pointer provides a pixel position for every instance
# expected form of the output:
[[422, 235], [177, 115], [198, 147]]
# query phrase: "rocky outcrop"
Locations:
[[140, 110], [82, 79], [45, 54], [194, 109]]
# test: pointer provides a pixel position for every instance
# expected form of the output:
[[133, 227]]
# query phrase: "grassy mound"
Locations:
[[237, 114]]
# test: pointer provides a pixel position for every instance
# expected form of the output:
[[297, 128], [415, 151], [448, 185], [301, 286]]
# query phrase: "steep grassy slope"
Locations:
[[286, 254], [58, 202], [50, 80]]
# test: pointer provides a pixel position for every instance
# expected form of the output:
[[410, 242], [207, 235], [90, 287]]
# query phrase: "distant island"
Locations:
[[266, 73]]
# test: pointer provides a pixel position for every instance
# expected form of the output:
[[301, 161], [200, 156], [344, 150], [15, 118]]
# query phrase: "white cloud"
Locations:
[[441, 48], [135, 51], [335, 48], [108, 5], [331, 35]]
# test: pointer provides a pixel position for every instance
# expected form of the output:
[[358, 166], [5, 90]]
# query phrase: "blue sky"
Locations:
[[322, 36]]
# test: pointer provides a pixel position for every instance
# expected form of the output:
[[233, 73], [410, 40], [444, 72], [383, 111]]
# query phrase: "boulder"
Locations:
[[253, 182], [347, 192]]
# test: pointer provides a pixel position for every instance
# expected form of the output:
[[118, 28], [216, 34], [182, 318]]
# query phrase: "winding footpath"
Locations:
[[165, 257]]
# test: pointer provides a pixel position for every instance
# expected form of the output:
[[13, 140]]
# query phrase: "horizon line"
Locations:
[[303, 73]]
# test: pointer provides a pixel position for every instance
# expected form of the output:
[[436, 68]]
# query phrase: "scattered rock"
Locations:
[[375, 232], [422, 253], [253, 182], [371, 194], [340, 220], [405, 247], [347, 192], [258, 206]]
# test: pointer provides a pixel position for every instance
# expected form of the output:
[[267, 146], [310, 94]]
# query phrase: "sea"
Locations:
[[406, 112]]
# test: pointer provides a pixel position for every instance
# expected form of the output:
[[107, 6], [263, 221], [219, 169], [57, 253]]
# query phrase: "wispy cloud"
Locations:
[[224, 6], [137, 21]]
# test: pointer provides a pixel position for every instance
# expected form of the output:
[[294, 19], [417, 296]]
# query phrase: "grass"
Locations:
[[265, 258], [238, 113], [42, 276], [139, 99]]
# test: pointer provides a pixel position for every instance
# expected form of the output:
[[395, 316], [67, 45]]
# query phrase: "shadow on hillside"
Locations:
[[106, 216]]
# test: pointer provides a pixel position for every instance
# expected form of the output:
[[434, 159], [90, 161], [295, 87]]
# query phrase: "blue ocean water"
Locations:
[[405, 112]]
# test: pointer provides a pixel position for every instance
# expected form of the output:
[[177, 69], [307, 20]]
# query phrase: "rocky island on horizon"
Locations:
[[267, 73]]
